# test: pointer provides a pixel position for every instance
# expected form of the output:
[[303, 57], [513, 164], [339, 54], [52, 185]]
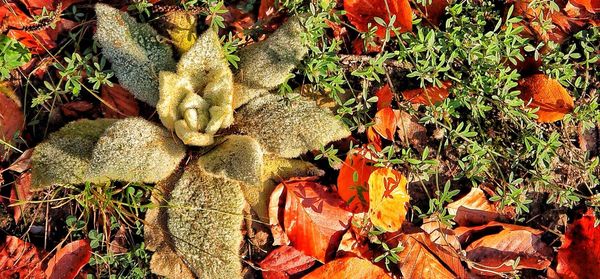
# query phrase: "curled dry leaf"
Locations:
[[421, 258], [495, 247], [349, 268], [361, 13], [441, 234], [266, 9], [285, 261], [119, 102], [353, 177], [20, 258], [430, 95], [355, 241], [579, 255], [313, 219], [388, 197], [68, 261], [552, 99], [473, 209]]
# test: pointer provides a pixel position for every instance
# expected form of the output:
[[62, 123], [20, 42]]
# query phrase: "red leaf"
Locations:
[[20, 259], [362, 12], [355, 241], [119, 102], [473, 209], [409, 129], [314, 220], [384, 97], [592, 6], [579, 255], [75, 108], [276, 210], [495, 247], [68, 261], [428, 96], [22, 163], [348, 268], [358, 47], [356, 192], [386, 122], [285, 261]]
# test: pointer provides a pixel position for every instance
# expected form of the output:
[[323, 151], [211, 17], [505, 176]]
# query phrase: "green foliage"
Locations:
[[132, 150], [289, 130], [265, 65], [12, 55], [135, 51], [205, 216]]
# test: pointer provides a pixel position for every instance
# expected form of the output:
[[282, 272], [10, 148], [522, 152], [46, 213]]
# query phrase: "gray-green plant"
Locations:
[[135, 50]]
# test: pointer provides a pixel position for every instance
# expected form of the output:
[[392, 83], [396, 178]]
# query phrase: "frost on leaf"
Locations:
[[135, 52], [265, 65], [204, 219], [132, 150], [64, 157], [197, 100], [135, 150], [241, 158], [289, 130]]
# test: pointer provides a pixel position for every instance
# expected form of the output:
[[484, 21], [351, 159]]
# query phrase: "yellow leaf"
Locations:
[[387, 199]]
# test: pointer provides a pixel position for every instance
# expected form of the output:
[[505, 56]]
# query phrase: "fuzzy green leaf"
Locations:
[[204, 220], [134, 50], [265, 65], [289, 130]]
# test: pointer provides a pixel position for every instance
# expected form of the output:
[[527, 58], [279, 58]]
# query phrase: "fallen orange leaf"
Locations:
[[428, 96], [353, 177], [495, 247], [387, 199], [313, 219], [384, 97], [473, 209], [592, 6], [579, 255], [542, 92], [374, 139], [361, 13], [11, 122], [386, 122], [421, 258], [349, 268], [266, 9], [68, 261]]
